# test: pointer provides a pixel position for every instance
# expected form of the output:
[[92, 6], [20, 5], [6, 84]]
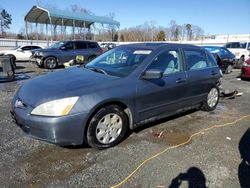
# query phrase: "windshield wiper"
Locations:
[[96, 70]]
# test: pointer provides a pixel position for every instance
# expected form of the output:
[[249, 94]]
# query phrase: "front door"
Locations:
[[165, 95], [68, 53]]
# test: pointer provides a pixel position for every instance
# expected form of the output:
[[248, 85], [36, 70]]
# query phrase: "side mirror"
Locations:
[[63, 48], [152, 74]]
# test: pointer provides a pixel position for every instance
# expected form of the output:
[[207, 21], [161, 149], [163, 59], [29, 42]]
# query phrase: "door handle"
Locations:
[[180, 80]]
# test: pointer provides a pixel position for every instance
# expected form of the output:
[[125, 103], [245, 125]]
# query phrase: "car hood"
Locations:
[[66, 83]]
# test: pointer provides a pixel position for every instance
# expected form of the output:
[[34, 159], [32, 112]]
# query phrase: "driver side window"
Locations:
[[69, 46], [25, 48], [168, 62]]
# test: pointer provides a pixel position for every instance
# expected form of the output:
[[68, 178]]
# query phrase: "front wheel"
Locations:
[[212, 100], [107, 127], [50, 63]]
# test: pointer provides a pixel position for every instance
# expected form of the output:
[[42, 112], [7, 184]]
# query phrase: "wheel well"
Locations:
[[118, 103], [92, 56], [12, 55], [49, 57]]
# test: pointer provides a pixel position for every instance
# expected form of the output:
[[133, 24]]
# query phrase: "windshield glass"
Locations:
[[120, 61], [57, 45]]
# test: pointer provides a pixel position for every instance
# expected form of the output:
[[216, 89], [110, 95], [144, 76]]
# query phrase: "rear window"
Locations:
[[211, 60], [196, 59], [26, 48], [92, 45]]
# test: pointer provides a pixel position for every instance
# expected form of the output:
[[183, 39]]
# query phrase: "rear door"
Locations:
[[82, 49], [166, 95], [202, 72]]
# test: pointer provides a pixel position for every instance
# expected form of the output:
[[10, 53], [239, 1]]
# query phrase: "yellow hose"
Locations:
[[176, 146]]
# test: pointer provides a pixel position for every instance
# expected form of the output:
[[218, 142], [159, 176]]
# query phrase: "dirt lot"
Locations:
[[212, 158]]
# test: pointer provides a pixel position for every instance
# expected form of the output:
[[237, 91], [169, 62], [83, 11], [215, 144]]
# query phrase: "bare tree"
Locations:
[[174, 30], [189, 31], [198, 32]]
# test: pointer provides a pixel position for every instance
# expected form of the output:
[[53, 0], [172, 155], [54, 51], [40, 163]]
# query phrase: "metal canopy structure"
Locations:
[[40, 15]]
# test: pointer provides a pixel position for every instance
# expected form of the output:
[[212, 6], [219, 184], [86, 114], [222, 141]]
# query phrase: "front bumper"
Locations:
[[65, 130], [38, 60]]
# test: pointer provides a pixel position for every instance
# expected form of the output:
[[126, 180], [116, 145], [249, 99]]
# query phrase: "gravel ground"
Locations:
[[211, 159]]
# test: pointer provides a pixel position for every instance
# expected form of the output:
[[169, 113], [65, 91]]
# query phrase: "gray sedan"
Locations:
[[122, 89]]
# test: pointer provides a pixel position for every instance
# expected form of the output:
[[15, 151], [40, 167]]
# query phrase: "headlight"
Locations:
[[60, 107]]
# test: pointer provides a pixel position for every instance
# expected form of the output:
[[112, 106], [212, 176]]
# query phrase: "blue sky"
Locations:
[[214, 16]]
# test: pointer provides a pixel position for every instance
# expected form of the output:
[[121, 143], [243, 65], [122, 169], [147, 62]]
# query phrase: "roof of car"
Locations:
[[157, 45], [213, 47]]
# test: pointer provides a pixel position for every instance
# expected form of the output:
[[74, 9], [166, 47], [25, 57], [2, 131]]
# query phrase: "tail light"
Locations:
[[101, 50]]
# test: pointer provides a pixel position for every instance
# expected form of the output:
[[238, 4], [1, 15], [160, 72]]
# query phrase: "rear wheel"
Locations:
[[50, 63], [91, 58], [212, 100], [107, 127]]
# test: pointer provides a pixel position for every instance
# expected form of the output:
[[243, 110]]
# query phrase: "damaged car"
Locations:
[[225, 59], [121, 89]]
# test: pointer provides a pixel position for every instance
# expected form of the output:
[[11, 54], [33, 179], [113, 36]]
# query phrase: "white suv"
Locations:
[[241, 50]]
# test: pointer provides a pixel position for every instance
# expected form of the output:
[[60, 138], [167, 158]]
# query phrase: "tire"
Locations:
[[102, 132], [212, 99], [241, 61], [229, 69], [50, 63], [13, 58], [91, 58], [10, 74]]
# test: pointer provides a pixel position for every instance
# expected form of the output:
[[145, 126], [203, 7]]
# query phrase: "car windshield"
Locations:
[[57, 45], [119, 62]]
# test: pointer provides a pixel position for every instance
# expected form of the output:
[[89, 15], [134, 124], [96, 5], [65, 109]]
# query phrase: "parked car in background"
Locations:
[[64, 51], [241, 50], [245, 70], [121, 89], [21, 53], [107, 46], [225, 59]]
